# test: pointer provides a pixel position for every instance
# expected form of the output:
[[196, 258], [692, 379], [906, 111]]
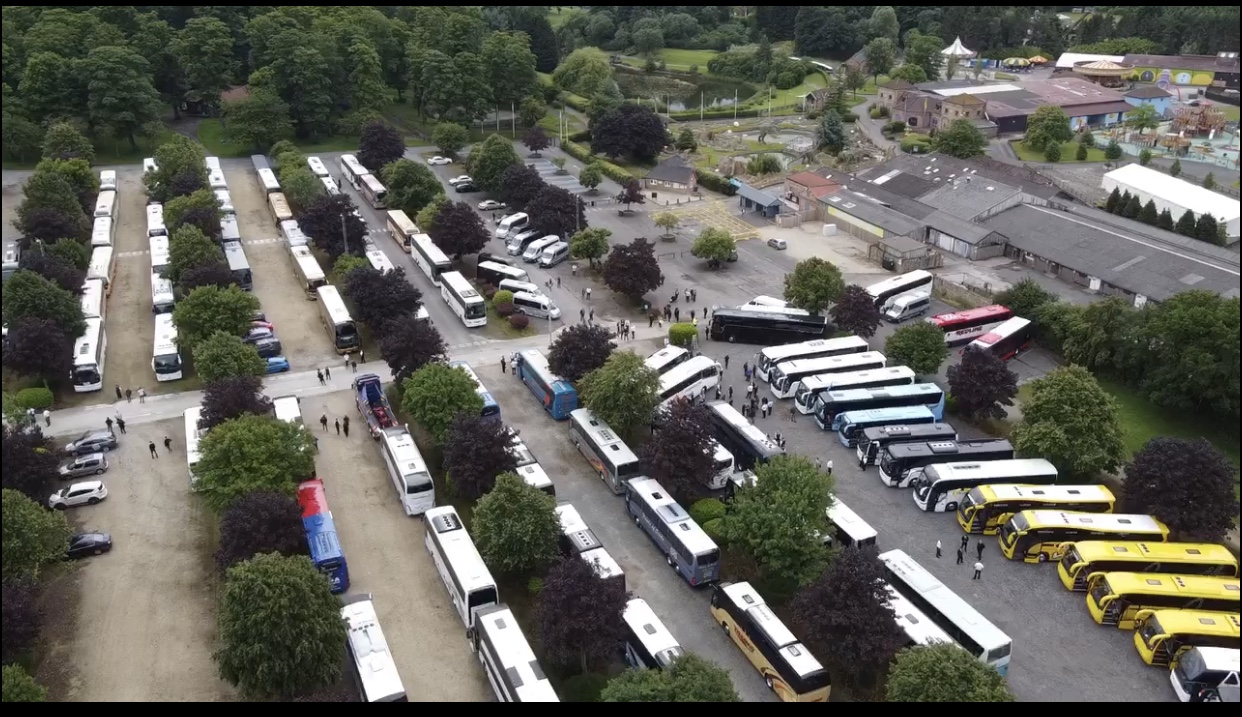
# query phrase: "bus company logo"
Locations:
[[744, 639]]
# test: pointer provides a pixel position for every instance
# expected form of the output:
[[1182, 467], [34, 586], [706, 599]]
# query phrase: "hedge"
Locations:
[[577, 102], [503, 308], [682, 334], [719, 114], [716, 183], [580, 136], [707, 509], [715, 530], [608, 169], [36, 397], [578, 152]]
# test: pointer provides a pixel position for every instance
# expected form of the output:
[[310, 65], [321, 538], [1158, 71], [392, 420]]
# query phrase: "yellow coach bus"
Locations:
[[1163, 636], [1117, 598], [987, 507], [1081, 559]]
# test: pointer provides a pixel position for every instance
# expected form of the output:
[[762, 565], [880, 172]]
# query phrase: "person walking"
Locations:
[[978, 570], [730, 393], [118, 392], [829, 466], [347, 357], [749, 389], [588, 293], [319, 373], [573, 269], [687, 296], [362, 355], [504, 365], [108, 423], [345, 425], [694, 321], [660, 322], [650, 320], [979, 550], [746, 370], [793, 414], [938, 549], [692, 314], [353, 366], [694, 295], [582, 315], [47, 417], [323, 421], [961, 556], [151, 447], [142, 395], [338, 426], [327, 372], [726, 361], [129, 396], [167, 444], [717, 392], [120, 424], [677, 314], [558, 282], [965, 543], [862, 462], [591, 315]]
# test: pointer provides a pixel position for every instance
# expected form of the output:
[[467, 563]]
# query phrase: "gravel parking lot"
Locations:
[[141, 621], [386, 557], [305, 343], [130, 323]]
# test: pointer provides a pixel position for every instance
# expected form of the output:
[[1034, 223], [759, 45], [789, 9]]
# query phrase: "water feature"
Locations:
[[677, 92]]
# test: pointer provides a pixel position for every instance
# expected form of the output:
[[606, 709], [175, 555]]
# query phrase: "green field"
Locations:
[[211, 134], [111, 151], [1142, 420], [1231, 112], [558, 19], [677, 60], [1068, 153]]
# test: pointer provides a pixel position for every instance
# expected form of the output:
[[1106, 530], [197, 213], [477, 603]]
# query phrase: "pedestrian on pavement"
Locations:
[[978, 570], [353, 366], [591, 315], [979, 550], [142, 395], [129, 396], [961, 557], [108, 423], [582, 315], [650, 320], [730, 393], [504, 365], [362, 355], [47, 416], [151, 447], [692, 314], [746, 370], [793, 414], [695, 322], [573, 269], [118, 392], [338, 426], [588, 293], [965, 543], [938, 549], [819, 464], [677, 314], [327, 372], [687, 296], [726, 360], [829, 466], [694, 295], [660, 323], [167, 444], [120, 423], [862, 462], [558, 282], [717, 392], [345, 425], [347, 357], [749, 389], [319, 374], [323, 421]]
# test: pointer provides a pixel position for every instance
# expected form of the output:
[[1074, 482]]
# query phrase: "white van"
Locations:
[[536, 306], [101, 265], [554, 254], [101, 234], [907, 306], [105, 204], [162, 297], [516, 286], [317, 167], [292, 233], [534, 250], [225, 200], [212, 163], [149, 165], [511, 224], [215, 180], [107, 180], [519, 241], [228, 228], [155, 221]]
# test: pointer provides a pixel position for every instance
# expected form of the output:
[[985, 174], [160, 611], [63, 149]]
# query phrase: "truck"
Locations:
[[373, 404]]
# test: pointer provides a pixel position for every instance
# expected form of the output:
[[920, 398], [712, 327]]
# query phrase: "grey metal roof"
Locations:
[[1144, 262], [959, 228], [757, 196], [969, 196], [674, 169], [925, 166], [886, 218]]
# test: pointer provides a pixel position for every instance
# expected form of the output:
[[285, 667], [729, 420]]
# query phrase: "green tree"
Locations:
[[919, 345], [1080, 154], [1148, 214], [516, 527], [623, 392], [223, 355], [961, 139], [19, 686], [761, 164], [648, 40], [1049, 124], [584, 72], [1175, 169], [180, 155], [257, 120], [188, 247], [63, 141], [1132, 207], [199, 208], [910, 73], [510, 66], [301, 187], [780, 519], [1052, 152], [427, 215], [1112, 151], [34, 537], [531, 111], [1165, 220], [302, 74], [714, 245], [489, 161], [209, 309], [831, 132], [1209, 181], [690, 679], [924, 51], [281, 632], [686, 141], [50, 190], [411, 185], [29, 295], [591, 176], [49, 86], [943, 672], [1071, 421], [1144, 157], [450, 137], [368, 93], [78, 173], [204, 49], [1142, 118], [71, 252], [252, 453], [881, 54], [668, 221], [1192, 359], [20, 138], [346, 263], [1113, 201], [120, 98], [814, 284], [435, 394], [883, 23], [1025, 298], [1186, 224], [589, 244]]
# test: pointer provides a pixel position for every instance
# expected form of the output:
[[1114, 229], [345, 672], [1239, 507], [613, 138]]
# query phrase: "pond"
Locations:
[[679, 92]]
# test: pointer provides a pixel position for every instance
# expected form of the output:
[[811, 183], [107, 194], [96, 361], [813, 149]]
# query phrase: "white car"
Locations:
[[439, 160], [86, 493], [459, 180], [491, 205]]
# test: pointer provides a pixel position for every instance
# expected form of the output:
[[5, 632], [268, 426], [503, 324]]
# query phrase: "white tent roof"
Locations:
[[957, 49], [1069, 59], [1176, 191]]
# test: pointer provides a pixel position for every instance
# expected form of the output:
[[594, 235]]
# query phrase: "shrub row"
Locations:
[[716, 183], [581, 136], [577, 102], [610, 170]]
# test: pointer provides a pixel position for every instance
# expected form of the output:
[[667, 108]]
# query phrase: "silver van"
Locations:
[[907, 306], [554, 254], [90, 464], [516, 286], [535, 249], [519, 242], [536, 306]]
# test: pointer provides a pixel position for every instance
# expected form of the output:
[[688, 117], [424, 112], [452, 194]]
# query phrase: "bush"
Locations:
[[693, 115], [577, 151], [682, 335], [519, 321], [707, 510], [534, 586], [1052, 153], [489, 291], [578, 102], [504, 309], [613, 172], [883, 110], [36, 397], [715, 183], [581, 136], [584, 687], [915, 144], [714, 530], [894, 127], [875, 113], [502, 297]]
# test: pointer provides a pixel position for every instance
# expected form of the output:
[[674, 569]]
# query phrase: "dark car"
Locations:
[[84, 545], [466, 188], [498, 258], [259, 316], [269, 347], [257, 334]]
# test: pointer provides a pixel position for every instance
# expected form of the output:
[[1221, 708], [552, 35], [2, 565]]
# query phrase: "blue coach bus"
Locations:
[[491, 409], [853, 423], [558, 397], [325, 547], [829, 405]]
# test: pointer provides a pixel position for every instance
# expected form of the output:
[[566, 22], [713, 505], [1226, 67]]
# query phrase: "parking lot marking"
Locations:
[[717, 214]]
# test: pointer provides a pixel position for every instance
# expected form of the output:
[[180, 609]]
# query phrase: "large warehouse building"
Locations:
[[1176, 195]]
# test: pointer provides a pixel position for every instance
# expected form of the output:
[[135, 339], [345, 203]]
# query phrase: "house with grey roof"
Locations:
[[674, 174]]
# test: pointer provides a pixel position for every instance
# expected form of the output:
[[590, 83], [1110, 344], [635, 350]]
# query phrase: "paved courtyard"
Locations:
[[718, 213]]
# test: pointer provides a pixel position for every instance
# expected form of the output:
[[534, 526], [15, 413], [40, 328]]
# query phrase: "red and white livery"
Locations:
[[962, 326]]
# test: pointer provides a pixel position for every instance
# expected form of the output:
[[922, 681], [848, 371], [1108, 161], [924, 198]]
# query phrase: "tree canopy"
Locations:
[[1071, 421], [1187, 483], [1049, 124], [516, 526], [322, 221], [580, 349], [39, 347], [408, 343], [690, 679], [519, 184], [29, 461], [30, 296], [379, 297], [19, 686], [629, 130], [961, 139], [381, 144], [855, 311], [224, 356], [814, 284], [680, 455], [33, 536], [490, 159], [982, 385], [944, 672], [232, 397], [578, 615], [554, 210], [476, 451], [22, 619], [411, 185], [632, 269], [919, 345], [210, 309], [457, 229], [189, 247], [623, 392], [435, 394], [251, 453], [590, 244], [714, 245], [260, 522]]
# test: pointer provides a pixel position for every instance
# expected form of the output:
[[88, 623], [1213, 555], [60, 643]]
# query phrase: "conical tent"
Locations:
[[957, 49]]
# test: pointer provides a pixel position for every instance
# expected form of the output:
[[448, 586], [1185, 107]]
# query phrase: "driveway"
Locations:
[[548, 172]]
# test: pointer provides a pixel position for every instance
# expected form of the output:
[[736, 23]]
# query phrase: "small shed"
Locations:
[[672, 174], [758, 201], [900, 254]]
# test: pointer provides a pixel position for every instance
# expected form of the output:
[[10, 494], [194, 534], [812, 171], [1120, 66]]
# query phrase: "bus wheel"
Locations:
[[732, 338], [671, 563], [950, 507], [1043, 557], [768, 682]]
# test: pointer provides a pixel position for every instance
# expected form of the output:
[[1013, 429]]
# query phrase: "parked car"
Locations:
[[491, 205], [277, 364], [461, 178], [465, 188], [88, 464], [263, 324], [269, 348], [780, 244], [84, 545], [257, 334], [259, 316], [86, 493], [97, 441], [439, 160]]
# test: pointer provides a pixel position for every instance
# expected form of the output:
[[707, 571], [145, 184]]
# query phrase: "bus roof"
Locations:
[[459, 550], [1016, 491], [1097, 521], [844, 343], [306, 262], [538, 364], [235, 255], [910, 575], [1167, 584], [688, 531], [957, 317], [1219, 659], [843, 380], [1004, 330], [376, 669], [794, 653], [830, 364], [1199, 622], [332, 301], [372, 182], [895, 415], [404, 453], [192, 416], [165, 335], [646, 625], [501, 633], [1092, 550], [840, 515], [898, 282], [605, 565], [915, 624], [757, 312], [402, 221], [746, 428], [1017, 467], [571, 520], [862, 394], [685, 370], [286, 408], [664, 357], [85, 347], [948, 448], [900, 432]]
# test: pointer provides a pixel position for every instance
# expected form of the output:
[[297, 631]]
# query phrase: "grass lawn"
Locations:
[[1068, 153], [787, 99], [676, 60], [1142, 420], [110, 151], [558, 19], [1231, 112]]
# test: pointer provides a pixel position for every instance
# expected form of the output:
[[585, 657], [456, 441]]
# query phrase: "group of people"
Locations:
[[340, 424], [128, 394]]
